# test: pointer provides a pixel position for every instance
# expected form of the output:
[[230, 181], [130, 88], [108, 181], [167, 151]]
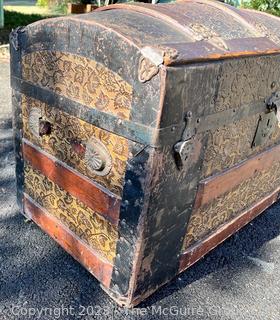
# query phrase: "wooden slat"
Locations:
[[214, 186], [80, 187], [196, 252], [99, 268]]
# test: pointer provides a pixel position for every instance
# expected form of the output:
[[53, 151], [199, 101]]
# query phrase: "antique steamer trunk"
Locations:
[[145, 135]]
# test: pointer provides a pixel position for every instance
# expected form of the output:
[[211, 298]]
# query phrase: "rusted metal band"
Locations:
[[125, 128], [135, 131], [99, 268], [216, 120], [223, 118], [95, 197], [200, 249], [215, 186]]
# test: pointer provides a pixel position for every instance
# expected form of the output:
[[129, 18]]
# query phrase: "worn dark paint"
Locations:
[[92, 41], [158, 199], [133, 206], [217, 31], [172, 199], [126, 128], [17, 125]]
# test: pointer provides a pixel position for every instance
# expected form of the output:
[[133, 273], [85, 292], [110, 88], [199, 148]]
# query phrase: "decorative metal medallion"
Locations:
[[146, 69], [97, 157], [34, 121]]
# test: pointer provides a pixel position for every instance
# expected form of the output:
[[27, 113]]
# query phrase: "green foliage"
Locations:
[[60, 8], [270, 6], [14, 19], [235, 3], [42, 3]]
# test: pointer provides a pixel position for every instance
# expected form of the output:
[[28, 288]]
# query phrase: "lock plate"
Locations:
[[183, 150], [266, 126]]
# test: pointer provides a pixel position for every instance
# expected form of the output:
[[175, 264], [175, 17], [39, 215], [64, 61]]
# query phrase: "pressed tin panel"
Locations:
[[242, 81], [83, 221], [80, 79], [231, 144], [214, 214], [66, 128]]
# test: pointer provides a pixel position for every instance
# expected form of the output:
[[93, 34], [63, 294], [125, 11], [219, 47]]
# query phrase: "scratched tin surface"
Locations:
[[159, 64], [212, 30]]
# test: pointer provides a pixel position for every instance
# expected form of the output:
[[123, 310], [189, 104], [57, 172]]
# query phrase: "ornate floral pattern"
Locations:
[[221, 210], [231, 144], [84, 222], [79, 79], [66, 128]]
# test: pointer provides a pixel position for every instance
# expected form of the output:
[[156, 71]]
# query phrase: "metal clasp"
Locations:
[[273, 104], [184, 147], [268, 121]]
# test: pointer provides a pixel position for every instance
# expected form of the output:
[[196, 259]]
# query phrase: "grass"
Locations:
[[13, 19], [44, 11]]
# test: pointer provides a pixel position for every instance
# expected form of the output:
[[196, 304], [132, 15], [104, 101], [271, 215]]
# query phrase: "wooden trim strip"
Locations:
[[95, 197], [230, 10], [203, 51], [100, 269], [214, 186], [196, 51], [149, 10], [196, 252]]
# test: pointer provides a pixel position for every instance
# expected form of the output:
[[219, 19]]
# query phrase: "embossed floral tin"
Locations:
[[145, 134]]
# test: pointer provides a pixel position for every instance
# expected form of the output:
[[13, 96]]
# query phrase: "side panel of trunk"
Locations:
[[242, 86], [224, 101]]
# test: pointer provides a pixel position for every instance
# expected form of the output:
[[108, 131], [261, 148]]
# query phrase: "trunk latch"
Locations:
[[184, 148], [268, 121]]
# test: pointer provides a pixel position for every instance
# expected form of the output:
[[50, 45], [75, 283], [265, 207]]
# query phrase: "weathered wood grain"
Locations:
[[196, 252], [99, 268], [92, 195], [216, 185]]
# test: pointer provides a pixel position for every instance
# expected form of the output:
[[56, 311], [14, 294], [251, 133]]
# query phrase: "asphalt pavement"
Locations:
[[39, 280]]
